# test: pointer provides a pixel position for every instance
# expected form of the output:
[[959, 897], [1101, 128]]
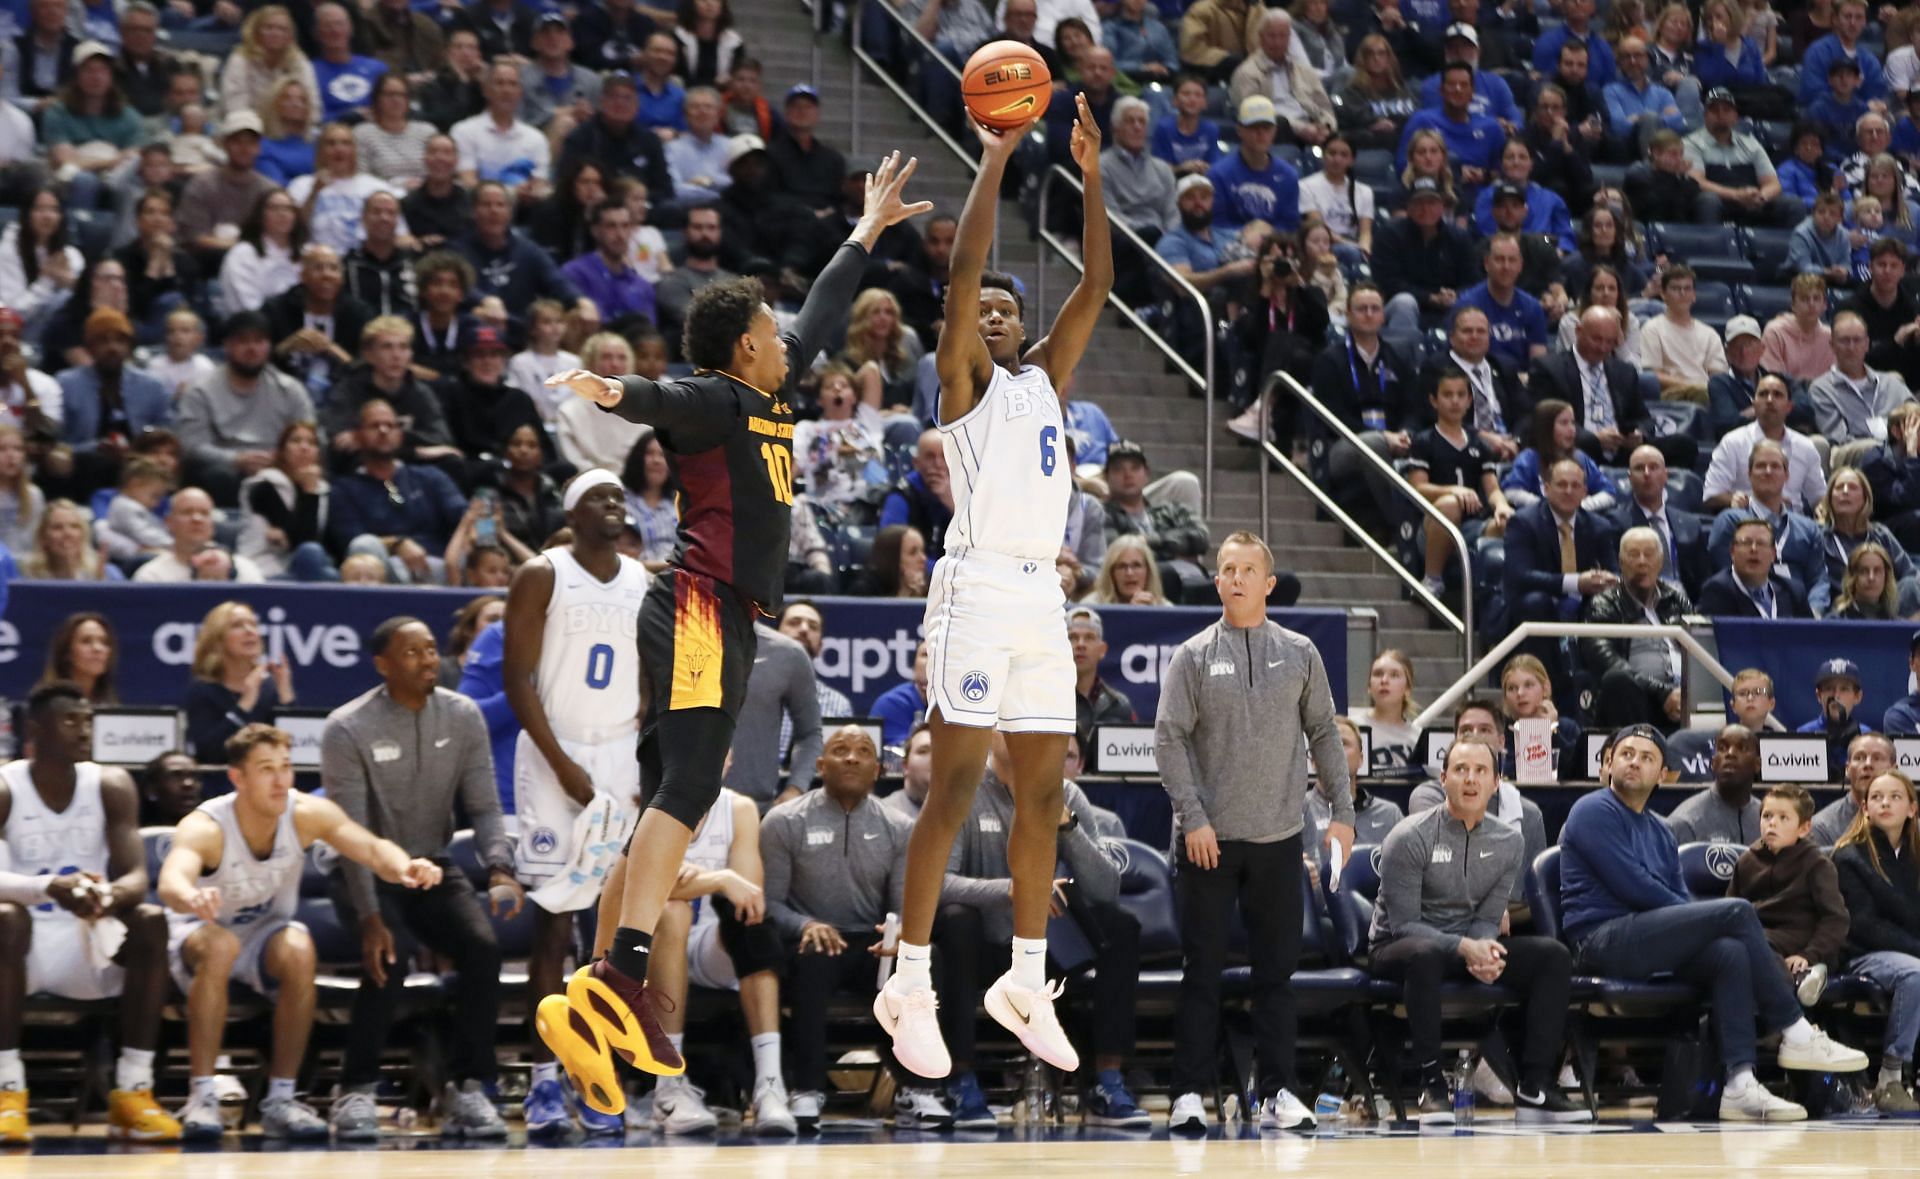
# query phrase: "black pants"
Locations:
[[813, 979], [1623, 701], [1538, 967], [697, 643], [1265, 879], [751, 948], [447, 918]]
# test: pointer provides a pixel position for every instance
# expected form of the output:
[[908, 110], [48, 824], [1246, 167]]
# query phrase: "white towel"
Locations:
[[600, 834]]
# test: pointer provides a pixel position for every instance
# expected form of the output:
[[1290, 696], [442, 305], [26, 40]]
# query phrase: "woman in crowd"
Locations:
[[393, 144], [709, 44], [21, 501], [38, 268], [1390, 710], [266, 54], [1376, 103], [559, 223], [1345, 204], [838, 457], [1323, 42], [103, 284], [1902, 66], [1129, 576], [881, 351], [1427, 157], [1603, 288], [472, 618], [1550, 437], [529, 498], [586, 436], [1670, 53], [234, 683], [62, 550], [648, 479], [1887, 181], [91, 132], [1879, 864], [897, 564], [1321, 266], [1526, 693], [1867, 592], [1726, 56], [286, 150], [1284, 329], [83, 651], [1846, 523], [1603, 241], [334, 196], [287, 509], [266, 259]]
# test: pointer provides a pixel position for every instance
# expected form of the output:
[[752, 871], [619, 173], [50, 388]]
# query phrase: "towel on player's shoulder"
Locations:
[[600, 834]]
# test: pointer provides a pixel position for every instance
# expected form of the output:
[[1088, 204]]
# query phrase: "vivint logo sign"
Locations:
[[301, 646]]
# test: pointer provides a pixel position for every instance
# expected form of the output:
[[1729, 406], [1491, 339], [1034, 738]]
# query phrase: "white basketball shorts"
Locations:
[[546, 813], [997, 650], [60, 962]]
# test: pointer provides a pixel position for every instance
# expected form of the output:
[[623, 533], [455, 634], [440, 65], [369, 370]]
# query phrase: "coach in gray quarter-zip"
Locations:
[[1240, 704]]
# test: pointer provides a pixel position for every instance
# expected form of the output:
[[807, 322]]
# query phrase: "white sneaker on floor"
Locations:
[[912, 1018], [1029, 1015], [1488, 1084], [1568, 1079], [772, 1115], [1821, 1054], [805, 1107], [1189, 1115], [1753, 1102], [200, 1120], [1283, 1111], [680, 1107], [228, 1089], [1247, 423], [920, 1109]]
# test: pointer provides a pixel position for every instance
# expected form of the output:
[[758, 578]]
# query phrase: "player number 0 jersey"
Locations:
[[1011, 477], [589, 678]]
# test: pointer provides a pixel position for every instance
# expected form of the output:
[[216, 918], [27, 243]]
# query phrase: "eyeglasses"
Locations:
[[1751, 694]]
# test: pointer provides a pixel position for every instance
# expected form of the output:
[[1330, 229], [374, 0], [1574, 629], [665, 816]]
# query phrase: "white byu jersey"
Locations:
[[589, 674], [44, 842], [1008, 466]]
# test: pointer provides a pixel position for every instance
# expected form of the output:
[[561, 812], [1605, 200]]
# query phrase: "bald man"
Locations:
[[1604, 391]]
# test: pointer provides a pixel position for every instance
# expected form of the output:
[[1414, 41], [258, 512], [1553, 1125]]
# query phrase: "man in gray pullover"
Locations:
[[1240, 703], [394, 759], [1445, 876], [230, 422], [780, 686]]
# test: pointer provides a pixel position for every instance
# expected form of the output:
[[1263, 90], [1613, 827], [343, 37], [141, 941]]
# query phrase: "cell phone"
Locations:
[[486, 530]]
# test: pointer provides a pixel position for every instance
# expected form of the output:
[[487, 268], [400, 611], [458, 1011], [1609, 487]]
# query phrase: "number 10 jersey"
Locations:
[[1008, 466]]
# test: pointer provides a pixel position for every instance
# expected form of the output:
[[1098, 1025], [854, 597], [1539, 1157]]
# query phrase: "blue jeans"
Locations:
[[1898, 974], [1717, 946]]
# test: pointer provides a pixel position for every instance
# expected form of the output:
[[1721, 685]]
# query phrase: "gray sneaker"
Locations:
[[355, 1117], [292, 1120], [467, 1112]]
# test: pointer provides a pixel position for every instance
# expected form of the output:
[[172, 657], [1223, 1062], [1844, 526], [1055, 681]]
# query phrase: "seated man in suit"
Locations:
[[1751, 589], [1799, 545], [1605, 394], [1366, 380], [1639, 677], [1681, 533], [1501, 404], [1436, 920], [1556, 557]]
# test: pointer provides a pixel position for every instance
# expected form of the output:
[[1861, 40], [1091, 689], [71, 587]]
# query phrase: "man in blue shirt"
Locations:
[[903, 706], [346, 79], [1637, 106], [1185, 139], [1849, 21], [1492, 96], [1516, 323], [1903, 719], [1837, 687], [662, 100], [1253, 184], [607, 276], [1840, 107], [1628, 915], [1578, 27], [1473, 141]]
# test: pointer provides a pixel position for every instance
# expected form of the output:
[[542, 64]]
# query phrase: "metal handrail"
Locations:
[[1462, 622], [1443, 707], [859, 56], [1204, 378]]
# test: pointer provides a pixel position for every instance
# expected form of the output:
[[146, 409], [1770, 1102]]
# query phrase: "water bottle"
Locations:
[[889, 941], [1463, 1092], [1328, 1106], [1034, 1100]]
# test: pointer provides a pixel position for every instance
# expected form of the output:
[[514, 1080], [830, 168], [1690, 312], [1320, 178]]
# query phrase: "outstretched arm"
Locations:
[[823, 317], [961, 357], [322, 819], [1060, 351]]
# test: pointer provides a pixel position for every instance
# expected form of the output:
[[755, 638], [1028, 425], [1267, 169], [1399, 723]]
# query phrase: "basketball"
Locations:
[[1005, 85]]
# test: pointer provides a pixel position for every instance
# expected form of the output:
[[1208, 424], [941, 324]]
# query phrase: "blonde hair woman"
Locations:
[[1129, 576], [21, 502], [1427, 156], [1846, 524], [1867, 591], [63, 549], [234, 683], [267, 53], [586, 437], [881, 350], [1878, 862], [1392, 709]]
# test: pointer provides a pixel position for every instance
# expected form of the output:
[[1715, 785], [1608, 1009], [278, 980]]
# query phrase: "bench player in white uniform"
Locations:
[[996, 620], [74, 856], [572, 674], [232, 883], [714, 933]]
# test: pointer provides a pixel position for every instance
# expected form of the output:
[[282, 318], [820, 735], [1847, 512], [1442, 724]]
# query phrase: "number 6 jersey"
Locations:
[[589, 678], [1008, 466]]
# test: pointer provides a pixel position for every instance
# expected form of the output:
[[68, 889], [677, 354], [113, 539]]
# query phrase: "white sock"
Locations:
[[13, 1073], [550, 1071], [1030, 962], [913, 968], [766, 1056], [1740, 1077], [135, 1069], [1798, 1032], [677, 1039], [201, 1089], [279, 1089], [222, 1063]]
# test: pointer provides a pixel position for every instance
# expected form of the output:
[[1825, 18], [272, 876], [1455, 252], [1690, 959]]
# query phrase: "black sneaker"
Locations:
[[1532, 1103], [1436, 1104]]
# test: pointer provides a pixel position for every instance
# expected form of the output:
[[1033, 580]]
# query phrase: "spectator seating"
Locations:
[[1767, 249], [1763, 302]]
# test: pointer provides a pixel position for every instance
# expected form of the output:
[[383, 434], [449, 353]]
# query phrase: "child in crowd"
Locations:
[[647, 248], [193, 150], [133, 527], [838, 457], [1819, 244], [1753, 700], [528, 371], [1806, 173], [1795, 890], [1668, 191], [1450, 466], [182, 364], [1841, 107], [1869, 222], [1799, 345], [1682, 352], [1879, 864], [1526, 693]]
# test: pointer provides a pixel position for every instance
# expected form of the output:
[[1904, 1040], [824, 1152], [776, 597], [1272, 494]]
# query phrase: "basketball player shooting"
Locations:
[[728, 430], [995, 623]]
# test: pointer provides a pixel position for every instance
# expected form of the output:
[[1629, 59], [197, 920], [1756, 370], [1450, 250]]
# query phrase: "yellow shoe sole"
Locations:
[[608, 1015], [582, 1054]]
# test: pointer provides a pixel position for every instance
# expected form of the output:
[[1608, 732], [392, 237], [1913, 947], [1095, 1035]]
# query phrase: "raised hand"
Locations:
[[884, 205], [604, 392], [997, 144], [1085, 142]]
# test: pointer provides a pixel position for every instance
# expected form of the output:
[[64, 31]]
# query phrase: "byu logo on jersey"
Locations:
[[544, 841], [974, 686], [1019, 401]]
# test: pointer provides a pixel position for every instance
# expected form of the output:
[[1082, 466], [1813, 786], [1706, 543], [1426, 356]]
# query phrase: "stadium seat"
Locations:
[[157, 841], [1767, 250], [1713, 298], [1690, 750], [1707, 868], [1681, 418], [1609, 175], [1763, 302], [1683, 242], [1685, 489]]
